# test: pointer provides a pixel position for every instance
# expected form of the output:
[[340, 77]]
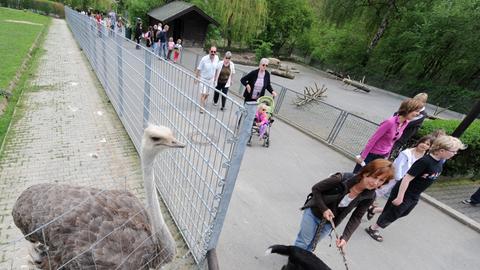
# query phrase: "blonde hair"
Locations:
[[422, 97], [409, 105], [447, 143], [264, 61], [263, 106]]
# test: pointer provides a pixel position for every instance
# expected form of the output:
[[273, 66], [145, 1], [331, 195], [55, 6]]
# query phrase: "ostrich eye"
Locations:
[[155, 139]]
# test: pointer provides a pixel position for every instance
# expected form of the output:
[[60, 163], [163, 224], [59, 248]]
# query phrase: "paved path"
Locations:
[[272, 186]]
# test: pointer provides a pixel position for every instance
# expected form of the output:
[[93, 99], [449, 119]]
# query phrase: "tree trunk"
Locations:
[[380, 31]]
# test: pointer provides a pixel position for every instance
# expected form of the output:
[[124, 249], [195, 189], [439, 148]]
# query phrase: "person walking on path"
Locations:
[[334, 198], [381, 142], [412, 127], [138, 34], [176, 50], [257, 82], [474, 199], [205, 72], [401, 164], [223, 78], [163, 35], [406, 193]]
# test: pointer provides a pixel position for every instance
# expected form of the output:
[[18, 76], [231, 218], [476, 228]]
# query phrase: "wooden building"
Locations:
[[186, 21]]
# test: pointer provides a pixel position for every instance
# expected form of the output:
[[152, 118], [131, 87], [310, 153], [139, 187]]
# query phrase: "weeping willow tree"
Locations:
[[240, 20], [377, 16]]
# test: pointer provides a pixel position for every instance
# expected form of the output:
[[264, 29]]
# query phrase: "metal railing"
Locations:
[[196, 183], [341, 129]]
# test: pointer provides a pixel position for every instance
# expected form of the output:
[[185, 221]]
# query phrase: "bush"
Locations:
[[39, 6], [264, 50], [467, 162]]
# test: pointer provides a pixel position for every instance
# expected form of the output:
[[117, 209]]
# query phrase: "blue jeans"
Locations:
[[308, 228], [163, 50]]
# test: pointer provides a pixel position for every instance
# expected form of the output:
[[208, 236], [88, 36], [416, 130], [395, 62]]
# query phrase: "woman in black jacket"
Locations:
[[335, 197], [257, 81]]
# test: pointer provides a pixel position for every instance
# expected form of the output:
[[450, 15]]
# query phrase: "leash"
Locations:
[[340, 249]]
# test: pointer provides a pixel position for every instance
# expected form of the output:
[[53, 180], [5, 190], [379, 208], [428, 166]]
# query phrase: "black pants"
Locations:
[[221, 87], [391, 212], [370, 157]]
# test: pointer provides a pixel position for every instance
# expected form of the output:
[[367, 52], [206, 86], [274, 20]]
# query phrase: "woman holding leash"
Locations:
[[334, 198]]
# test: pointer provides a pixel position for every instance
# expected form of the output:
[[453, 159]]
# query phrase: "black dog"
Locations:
[[298, 259]]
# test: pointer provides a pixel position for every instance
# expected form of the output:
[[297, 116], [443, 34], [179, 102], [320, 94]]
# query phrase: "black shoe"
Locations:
[[468, 201], [222, 109], [370, 212]]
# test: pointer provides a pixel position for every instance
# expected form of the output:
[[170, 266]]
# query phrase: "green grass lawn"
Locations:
[[16, 38]]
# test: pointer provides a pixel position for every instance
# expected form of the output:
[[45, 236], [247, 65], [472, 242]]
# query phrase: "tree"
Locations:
[[287, 22], [240, 20]]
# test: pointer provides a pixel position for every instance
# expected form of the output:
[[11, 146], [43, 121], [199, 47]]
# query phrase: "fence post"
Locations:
[[146, 87], [338, 126], [279, 101], [245, 129], [120, 73]]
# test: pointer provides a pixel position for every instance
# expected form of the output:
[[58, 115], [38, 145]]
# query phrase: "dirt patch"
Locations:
[[24, 22]]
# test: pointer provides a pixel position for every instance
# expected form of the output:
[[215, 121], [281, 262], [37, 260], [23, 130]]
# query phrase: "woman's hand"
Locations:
[[274, 94], [397, 201], [360, 160], [341, 243], [248, 88], [328, 215]]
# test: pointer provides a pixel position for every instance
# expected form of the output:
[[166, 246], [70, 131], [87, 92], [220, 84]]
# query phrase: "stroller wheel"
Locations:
[[266, 142]]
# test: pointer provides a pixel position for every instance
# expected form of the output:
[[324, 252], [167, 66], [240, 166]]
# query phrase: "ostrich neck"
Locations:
[[155, 214]]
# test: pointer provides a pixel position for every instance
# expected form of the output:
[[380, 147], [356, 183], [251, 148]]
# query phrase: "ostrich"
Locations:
[[99, 229]]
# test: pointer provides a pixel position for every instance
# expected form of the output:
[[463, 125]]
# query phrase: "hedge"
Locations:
[[467, 162], [43, 7]]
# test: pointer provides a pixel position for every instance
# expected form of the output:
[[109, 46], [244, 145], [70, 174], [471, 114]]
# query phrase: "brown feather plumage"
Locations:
[[88, 215]]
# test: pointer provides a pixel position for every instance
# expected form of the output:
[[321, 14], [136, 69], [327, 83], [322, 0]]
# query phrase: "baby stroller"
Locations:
[[267, 100]]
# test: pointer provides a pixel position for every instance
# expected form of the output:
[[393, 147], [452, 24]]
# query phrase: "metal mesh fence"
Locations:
[[196, 183]]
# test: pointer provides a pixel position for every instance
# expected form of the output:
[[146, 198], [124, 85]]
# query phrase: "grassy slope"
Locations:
[[16, 39]]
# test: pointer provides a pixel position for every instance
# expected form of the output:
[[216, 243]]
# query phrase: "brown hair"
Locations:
[[378, 168], [424, 139], [409, 105]]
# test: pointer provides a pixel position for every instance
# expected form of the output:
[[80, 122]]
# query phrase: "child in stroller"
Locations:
[[263, 120]]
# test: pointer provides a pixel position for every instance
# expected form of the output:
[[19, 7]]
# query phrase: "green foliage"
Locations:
[[43, 7], [467, 162], [287, 21], [140, 8], [240, 20], [264, 50]]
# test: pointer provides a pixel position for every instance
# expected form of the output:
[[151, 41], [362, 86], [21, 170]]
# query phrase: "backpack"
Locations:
[[339, 189]]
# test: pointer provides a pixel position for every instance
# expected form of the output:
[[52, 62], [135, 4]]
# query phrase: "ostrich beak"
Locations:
[[175, 144]]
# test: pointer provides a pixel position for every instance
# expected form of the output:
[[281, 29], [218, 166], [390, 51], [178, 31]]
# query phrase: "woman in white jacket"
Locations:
[[402, 164], [223, 78]]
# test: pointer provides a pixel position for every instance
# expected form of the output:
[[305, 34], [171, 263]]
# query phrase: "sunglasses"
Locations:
[[265, 65], [227, 57], [213, 51]]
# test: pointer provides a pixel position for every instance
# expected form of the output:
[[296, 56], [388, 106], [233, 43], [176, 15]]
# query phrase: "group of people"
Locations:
[[401, 181], [156, 37], [213, 73]]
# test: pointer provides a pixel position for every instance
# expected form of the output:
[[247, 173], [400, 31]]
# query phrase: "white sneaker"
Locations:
[[215, 104]]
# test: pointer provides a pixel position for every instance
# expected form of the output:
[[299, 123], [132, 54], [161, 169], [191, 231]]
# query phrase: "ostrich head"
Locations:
[[155, 139]]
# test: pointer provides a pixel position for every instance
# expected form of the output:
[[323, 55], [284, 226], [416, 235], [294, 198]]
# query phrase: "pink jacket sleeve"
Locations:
[[381, 130]]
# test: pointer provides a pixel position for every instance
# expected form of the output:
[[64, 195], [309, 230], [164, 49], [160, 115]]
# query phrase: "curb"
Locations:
[[451, 212]]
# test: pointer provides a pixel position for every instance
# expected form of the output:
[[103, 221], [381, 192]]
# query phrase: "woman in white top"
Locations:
[[402, 164], [223, 78]]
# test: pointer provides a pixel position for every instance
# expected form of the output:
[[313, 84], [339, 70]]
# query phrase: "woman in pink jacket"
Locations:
[[389, 131]]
